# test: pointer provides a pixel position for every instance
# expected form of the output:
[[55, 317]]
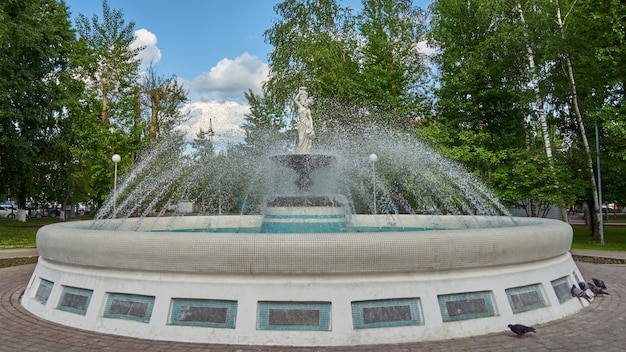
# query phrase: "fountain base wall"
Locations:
[[371, 288]]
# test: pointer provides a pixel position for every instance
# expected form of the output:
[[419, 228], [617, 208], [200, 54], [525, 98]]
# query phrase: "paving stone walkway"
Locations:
[[599, 327]]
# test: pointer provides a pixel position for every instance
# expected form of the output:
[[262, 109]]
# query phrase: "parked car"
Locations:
[[7, 212]]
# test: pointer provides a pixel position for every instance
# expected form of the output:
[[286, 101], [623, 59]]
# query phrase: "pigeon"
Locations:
[[577, 292], [597, 291], [520, 329], [582, 286], [592, 287], [599, 283]]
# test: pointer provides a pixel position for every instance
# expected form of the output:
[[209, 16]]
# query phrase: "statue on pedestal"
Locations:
[[306, 135]]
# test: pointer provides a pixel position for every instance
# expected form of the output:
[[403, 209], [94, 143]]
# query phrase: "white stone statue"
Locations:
[[306, 135]]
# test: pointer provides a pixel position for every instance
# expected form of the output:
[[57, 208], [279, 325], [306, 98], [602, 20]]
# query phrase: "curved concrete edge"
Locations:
[[340, 291], [473, 242]]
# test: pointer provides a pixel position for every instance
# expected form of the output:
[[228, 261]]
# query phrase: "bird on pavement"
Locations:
[[582, 285], [592, 288], [597, 291], [520, 329], [577, 292], [599, 283]]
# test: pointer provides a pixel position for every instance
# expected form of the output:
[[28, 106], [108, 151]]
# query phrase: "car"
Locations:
[[7, 211]]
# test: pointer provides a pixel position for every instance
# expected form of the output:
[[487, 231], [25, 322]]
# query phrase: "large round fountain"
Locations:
[[310, 269]]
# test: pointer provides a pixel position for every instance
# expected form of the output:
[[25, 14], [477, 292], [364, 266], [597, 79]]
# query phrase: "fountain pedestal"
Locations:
[[304, 165], [304, 212]]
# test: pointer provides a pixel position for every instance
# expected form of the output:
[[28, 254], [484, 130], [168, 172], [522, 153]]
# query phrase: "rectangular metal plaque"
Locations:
[[464, 307], [386, 314], [294, 317], [203, 314], [526, 299], [130, 308], [71, 300]]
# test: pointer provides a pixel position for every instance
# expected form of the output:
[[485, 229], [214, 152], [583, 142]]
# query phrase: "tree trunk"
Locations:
[[154, 122], [541, 112], [104, 117], [595, 222]]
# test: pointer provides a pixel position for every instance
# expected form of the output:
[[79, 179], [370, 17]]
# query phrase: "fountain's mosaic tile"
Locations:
[[562, 288], [129, 307], [300, 316], [207, 313], [43, 291], [464, 306], [386, 313], [75, 300], [525, 298]]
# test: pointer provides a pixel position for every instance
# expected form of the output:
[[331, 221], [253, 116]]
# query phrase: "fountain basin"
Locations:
[[313, 289]]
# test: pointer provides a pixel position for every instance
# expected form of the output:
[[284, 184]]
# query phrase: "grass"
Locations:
[[15, 234], [614, 238]]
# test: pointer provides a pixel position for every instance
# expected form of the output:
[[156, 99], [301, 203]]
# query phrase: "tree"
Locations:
[[481, 103], [391, 65], [162, 99], [112, 66], [314, 46], [36, 82], [108, 65], [264, 126]]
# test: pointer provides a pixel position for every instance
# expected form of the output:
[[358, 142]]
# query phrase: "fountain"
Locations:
[[311, 270]]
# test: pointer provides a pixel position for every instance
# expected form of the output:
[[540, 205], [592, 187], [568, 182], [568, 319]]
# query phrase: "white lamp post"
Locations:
[[116, 159], [374, 158]]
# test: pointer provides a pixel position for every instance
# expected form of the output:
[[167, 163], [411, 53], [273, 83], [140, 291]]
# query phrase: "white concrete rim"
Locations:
[[532, 240]]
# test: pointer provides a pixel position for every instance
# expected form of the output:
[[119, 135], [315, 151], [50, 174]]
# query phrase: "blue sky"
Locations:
[[194, 35], [215, 47]]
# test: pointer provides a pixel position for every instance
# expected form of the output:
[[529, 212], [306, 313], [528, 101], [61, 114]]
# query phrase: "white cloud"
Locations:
[[229, 79], [425, 49], [217, 97], [225, 117], [151, 54]]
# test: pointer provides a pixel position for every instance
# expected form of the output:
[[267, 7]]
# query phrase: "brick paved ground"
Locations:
[[599, 327]]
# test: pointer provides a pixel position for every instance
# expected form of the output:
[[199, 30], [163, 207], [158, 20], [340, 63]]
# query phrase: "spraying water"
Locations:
[[409, 177]]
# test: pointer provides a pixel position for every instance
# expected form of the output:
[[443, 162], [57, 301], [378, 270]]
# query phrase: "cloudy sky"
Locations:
[[216, 48]]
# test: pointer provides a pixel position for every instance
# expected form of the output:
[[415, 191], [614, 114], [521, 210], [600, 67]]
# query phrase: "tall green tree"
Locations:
[[36, 41], [314, 46], [481, 103], [109, 67], [391, 65], [582, 81]]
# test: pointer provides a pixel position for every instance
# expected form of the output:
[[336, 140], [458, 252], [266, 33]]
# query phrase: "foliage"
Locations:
[[391, 65], [357, 66], [108, 66], [264, 124], [314, 46], [36, 81], [490, 93], [161, 101]]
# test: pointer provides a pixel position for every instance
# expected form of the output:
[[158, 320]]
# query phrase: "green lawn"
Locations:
[[14, 234], [614, 238]]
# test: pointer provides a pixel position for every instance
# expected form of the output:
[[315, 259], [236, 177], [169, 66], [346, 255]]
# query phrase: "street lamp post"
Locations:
[[373, 159], [116, 159]]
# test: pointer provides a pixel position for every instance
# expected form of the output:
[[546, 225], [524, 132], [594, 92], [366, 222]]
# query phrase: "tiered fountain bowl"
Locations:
[[304, 273]]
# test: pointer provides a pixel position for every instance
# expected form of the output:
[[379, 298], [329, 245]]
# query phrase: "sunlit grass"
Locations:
[[614, 238]]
